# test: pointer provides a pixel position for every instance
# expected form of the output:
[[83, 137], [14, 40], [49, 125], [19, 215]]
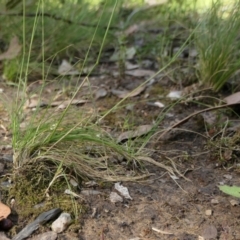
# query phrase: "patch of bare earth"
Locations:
[[163, 206]]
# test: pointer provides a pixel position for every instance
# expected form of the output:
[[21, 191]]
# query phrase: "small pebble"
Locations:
[[234, 202], [214, 201], [208, 212], [61, 223]]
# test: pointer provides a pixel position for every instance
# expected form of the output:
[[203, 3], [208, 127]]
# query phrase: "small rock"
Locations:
[[234, 202], [45, 236], [173, 95], [208, 212], [61, 223], [41, 219], [214, 201], [114, 197], [209, 232], [73, 182]]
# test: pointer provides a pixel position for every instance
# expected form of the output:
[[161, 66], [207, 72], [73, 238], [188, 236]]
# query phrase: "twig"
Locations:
[[192, 115]]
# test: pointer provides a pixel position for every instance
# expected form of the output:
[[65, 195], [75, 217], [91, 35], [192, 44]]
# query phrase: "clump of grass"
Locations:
[[56, 149], [218, 44], [85, 148]]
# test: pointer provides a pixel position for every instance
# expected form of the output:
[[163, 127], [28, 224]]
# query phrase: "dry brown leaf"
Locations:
[[32, 103], [139, 131], [67, 69], [100, 93], [233, 98], [161, 231], [131, 29], [4, 211], [126, 94], [64, 104], [13, 49], [140, 73]]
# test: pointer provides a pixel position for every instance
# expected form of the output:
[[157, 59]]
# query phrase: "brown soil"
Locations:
[[162, 207]]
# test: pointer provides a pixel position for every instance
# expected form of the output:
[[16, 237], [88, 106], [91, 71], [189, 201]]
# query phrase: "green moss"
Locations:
[[30, 187]]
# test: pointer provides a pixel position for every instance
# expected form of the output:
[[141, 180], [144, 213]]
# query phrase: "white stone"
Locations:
[[208, 212], [61, 223]]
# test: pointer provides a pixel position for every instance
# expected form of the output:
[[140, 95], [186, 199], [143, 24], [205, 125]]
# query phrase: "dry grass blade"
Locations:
[[192, 115]]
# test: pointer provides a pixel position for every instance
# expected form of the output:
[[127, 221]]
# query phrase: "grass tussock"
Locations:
[[218, 44]]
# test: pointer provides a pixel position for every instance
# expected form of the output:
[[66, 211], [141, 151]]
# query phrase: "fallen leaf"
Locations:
[[122, 190], [13, 49], [33, 103], [69, 192], [129, 54], [4, 211], [67, 69], [156, 104], [140, 73], [231, 190], [130, 66], [161, 231], [227, 154], [131, 29], [139, 131], [64, 104], [233, 98], [126, 94], [101, 92]]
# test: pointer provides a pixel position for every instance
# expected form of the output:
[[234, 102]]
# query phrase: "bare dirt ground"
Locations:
[[163, 207]]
